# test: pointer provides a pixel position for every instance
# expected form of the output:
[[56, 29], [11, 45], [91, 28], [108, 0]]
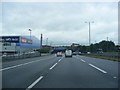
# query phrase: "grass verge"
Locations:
[[103, 57]]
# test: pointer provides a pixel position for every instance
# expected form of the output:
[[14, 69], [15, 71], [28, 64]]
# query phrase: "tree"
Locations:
[[107, 46], [44, 50]]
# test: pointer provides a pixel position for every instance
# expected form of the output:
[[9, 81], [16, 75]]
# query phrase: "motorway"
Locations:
[[60, 72]]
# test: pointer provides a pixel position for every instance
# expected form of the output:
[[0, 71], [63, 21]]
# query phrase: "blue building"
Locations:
[[19, 44]]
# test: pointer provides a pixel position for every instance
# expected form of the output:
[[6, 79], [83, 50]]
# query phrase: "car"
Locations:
[[88, 52], [74, 53], [68, 53], [4, 55], [59, 54], [79, 53]]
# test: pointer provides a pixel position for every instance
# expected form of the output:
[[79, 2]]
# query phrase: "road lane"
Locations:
[[97, 68], [35, 82], [71, 73], [22, 61], [58, 72], [107, 65], [22, 77], [22, 64]]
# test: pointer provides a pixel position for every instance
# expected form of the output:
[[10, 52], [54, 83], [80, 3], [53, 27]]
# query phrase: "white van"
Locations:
[[68, 53]]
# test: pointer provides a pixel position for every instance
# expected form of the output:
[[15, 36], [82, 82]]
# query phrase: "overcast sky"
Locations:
[[63, 23]]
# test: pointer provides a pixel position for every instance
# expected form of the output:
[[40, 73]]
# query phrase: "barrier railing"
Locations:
[[22, 56]]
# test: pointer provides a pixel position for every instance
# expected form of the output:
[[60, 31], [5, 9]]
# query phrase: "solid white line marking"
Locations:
[[83, 60], [34, 83], [53, 66], [98, 68], [18, 65]]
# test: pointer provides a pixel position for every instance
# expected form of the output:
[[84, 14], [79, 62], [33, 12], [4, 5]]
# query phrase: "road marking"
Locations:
[[59, 60], [53, 66], [82, 60], [34, 83], [114, 77], [20, 65], [98, 68]]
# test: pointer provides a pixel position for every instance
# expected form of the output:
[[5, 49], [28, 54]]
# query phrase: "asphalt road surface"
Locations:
[[60, 72]]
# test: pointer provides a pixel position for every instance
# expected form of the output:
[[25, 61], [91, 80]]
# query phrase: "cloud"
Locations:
[[61, 22], [60, 0]]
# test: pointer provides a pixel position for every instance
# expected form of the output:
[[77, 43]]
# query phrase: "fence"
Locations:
[[22, 56]]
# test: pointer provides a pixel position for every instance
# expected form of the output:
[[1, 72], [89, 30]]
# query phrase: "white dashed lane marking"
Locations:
[[114, 77], [83, 60], [53, 66], [34, 83], [97, 68], [59, 60], [40, 78]]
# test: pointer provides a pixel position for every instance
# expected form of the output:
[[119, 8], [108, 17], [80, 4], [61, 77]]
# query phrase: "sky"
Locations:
[[63, 23]]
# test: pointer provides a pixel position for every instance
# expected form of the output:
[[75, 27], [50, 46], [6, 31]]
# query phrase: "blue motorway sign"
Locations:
[[12, 39]]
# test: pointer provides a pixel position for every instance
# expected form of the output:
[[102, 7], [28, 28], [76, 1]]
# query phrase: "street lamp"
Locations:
[[41, 40], [30, 37], [89, 23], [30, 33]]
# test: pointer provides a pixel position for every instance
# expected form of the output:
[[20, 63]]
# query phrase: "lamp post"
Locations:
[[41, 37], [41, 40], [30, 37], [30, 33], [89, 23]]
